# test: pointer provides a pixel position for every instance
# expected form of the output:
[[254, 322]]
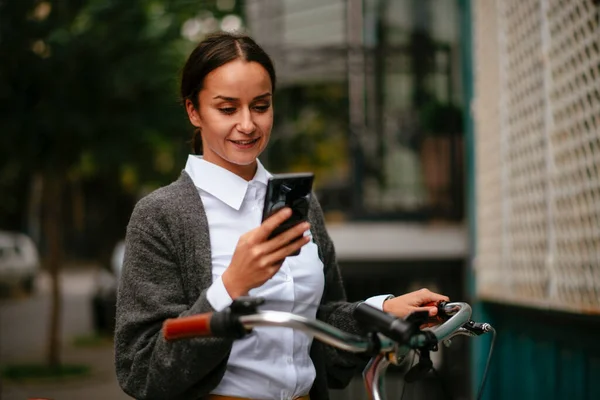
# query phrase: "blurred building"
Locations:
[[370, 97], [398, 65], [489, 107]]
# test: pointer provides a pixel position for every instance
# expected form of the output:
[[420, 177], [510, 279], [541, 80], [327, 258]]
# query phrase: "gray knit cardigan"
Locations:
[[166, 272]]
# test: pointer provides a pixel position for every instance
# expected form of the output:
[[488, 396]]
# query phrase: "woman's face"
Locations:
[[235, 116]]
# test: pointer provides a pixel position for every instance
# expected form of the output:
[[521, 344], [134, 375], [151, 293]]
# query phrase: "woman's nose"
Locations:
[[246, 124]]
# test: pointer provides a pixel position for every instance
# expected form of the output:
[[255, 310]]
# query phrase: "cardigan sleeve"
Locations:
[[151, 290], [341, 365]]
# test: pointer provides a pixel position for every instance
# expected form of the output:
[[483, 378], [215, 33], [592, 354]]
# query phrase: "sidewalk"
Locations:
[[24, 331], [101, 384]]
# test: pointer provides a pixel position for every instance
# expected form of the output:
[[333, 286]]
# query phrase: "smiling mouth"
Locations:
[[245, 142]]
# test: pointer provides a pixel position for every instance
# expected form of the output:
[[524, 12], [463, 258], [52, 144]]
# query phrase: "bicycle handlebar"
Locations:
[[213, 325], [394, 328], [387, 336], [228, 324]]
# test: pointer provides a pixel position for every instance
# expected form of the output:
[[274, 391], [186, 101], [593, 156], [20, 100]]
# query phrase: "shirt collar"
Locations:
[[221, 183]]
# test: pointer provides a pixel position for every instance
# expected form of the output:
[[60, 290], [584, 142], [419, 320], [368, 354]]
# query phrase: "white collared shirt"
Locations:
[[271, 363]]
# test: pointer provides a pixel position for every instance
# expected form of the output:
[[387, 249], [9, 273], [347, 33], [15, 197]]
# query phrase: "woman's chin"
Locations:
[[243, 159]]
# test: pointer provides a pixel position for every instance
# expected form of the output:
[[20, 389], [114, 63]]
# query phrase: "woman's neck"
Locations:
[[245, 172]]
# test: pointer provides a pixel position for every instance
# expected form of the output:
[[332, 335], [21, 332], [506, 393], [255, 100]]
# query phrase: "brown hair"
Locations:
[[214, 51]]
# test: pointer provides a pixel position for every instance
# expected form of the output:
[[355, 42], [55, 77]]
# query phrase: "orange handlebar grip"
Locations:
[[441, 315], [435, 318], [187, 327]]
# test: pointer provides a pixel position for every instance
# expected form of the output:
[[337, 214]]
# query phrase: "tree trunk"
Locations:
[[34, 208], [78, 200], [54, 258]]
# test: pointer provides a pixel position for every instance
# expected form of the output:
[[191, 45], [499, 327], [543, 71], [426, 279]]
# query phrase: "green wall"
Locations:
[[538, 354]]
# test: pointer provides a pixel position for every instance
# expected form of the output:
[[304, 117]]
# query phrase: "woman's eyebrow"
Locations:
[[226, 98], [262, 96]]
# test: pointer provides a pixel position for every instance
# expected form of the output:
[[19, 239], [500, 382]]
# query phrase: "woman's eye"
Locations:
[[262, 108], [227, 110]]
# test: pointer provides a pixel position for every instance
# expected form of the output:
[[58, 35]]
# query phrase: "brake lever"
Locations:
[[441, 315], [417, 318], [246, 305], [477, 328], [421, 369]]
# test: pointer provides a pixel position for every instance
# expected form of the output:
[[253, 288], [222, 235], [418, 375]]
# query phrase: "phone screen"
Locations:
[[291, 190]]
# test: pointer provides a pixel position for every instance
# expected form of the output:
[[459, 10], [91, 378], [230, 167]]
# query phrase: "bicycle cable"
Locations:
[[446, 393], [487, 364], [443, 387], [412, 361]]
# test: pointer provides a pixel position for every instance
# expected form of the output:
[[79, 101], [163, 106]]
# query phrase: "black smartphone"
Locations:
[[292, 190]]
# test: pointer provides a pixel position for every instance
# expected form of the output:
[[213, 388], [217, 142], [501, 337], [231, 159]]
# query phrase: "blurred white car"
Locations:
[[19, 261], [117, 259], [104, 300]]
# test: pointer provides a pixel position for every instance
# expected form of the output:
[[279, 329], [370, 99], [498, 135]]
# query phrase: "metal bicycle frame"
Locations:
[[374, 372]]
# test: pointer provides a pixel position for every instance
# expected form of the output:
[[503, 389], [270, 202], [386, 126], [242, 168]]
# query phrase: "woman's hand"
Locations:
[[408, 303], [256, 258]]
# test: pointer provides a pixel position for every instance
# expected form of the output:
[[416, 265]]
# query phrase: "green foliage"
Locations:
[[310, 131], [89, 85], [439, 118], [28, 372], [89, 93], [93, 341]]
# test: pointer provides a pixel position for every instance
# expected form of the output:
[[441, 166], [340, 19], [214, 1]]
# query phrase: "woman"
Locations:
[[199, 243]]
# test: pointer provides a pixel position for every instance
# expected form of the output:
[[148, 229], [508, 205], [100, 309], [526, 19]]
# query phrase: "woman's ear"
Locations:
[[193, 114]]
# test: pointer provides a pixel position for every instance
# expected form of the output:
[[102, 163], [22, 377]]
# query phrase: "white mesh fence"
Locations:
[[537, 124]]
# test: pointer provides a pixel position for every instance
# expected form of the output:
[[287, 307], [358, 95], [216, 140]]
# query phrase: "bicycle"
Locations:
[[388, 341]]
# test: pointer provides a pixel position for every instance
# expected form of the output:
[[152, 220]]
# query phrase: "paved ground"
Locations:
[[101, 385], [23, 334]]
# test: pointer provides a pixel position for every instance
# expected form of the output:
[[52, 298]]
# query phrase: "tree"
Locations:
[[88, 89]]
